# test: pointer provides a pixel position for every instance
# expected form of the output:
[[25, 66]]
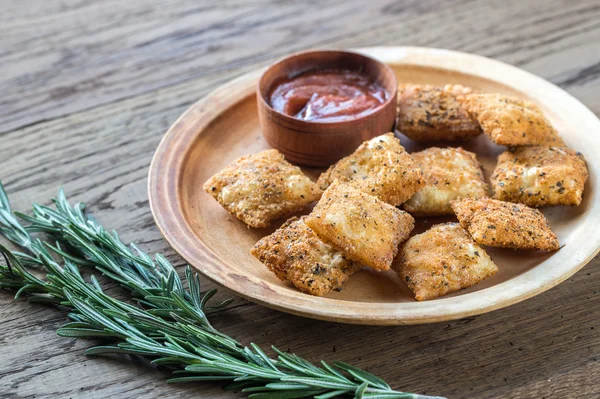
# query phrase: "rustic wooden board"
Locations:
[[544, 347], [85, 53]]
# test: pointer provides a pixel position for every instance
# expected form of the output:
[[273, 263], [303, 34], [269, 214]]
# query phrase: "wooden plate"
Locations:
[[224, 125]]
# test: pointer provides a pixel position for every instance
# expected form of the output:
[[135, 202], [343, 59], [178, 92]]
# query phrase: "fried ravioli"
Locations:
[[430, 113], [512, 122], [442, 260], [296, 254], [450, 174], [540, 176], [263, 187], [504, 224], [364, 228], [380, 167]]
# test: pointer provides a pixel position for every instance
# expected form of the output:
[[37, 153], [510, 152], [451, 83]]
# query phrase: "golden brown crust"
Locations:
[[512, 122], [364, 228], [262, 187], [450, 173], [505, 224], [295, 254], [540, 176], [380, 167], [430, 113], [442, 260]]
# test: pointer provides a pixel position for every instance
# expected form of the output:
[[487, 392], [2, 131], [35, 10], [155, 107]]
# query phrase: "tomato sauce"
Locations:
[[328, 96]]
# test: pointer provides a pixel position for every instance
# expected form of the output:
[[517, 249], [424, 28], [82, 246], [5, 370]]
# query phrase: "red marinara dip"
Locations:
[[327, 96]]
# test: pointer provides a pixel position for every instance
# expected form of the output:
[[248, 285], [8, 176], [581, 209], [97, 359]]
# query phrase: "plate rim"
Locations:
[[163, 197]]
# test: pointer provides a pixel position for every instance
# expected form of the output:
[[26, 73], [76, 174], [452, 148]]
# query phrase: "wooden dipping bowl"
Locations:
[[322, 143]]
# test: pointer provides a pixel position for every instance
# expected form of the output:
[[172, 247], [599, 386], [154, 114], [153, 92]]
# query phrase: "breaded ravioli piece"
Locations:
[[540, 176], [431, 113], [512, 122], [263, 187], [380, 167], [505, 224], [450, 174], [442, 260], [296, 254], [364, 228]]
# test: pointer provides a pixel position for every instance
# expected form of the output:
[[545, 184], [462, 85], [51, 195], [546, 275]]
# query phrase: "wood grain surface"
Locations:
[[88, 88]]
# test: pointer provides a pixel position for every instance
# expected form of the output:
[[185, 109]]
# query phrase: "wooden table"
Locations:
[[88, 89]]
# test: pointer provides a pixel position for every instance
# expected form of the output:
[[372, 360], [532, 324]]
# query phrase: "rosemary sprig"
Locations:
[[169, 325]]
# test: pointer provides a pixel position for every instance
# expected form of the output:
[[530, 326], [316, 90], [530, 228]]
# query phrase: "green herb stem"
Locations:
[[169, 323]]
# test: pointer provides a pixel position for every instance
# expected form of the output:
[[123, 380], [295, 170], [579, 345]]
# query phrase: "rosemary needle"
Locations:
[[169, 323]]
